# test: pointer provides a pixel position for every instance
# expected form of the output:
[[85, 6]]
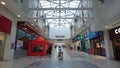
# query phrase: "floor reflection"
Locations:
[[62, 64]]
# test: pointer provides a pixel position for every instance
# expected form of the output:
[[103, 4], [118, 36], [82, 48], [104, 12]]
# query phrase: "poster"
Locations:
[[19, 45]]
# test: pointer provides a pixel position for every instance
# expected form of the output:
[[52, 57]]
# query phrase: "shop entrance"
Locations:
[[2, 39], [98, 45], [116, 48]]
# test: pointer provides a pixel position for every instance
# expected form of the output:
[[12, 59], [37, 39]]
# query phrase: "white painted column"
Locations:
[[8, 52], [108, 46]]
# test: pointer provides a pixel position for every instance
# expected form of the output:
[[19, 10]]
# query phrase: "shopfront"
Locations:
[[97, 42], [23, 36], [115, 38], [84, 43]]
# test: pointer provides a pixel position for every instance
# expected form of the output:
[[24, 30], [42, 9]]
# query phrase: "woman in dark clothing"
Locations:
[[49, 50]]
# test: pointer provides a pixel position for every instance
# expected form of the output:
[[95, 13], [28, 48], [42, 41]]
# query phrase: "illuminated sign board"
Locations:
[[114, 33], [117, 31]]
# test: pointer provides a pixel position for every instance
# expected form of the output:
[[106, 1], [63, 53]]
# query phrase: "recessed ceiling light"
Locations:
[[18, 16], [106, 26], [3, 3], [32, 24], [36, 28], [25, 28]]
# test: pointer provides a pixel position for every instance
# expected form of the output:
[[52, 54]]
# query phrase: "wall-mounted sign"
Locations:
[[59, 39], [92, 35], [19, 45], [60, 36], [117, 31], [12, 46], [76, 38], [114, 33]]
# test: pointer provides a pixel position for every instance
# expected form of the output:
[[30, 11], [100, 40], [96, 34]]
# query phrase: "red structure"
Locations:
[[5, 25], [37, 47]]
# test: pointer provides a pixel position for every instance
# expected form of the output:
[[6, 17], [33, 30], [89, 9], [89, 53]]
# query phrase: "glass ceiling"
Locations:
[[59, 13]]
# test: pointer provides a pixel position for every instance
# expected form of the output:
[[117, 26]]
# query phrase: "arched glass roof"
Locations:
[[59, 13]]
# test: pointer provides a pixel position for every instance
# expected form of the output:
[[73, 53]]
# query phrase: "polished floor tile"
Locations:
[[71, 59], [62, 64]]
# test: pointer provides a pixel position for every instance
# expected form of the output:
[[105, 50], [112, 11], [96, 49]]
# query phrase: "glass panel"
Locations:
[[53, 16], [29, 36], [20, 34]]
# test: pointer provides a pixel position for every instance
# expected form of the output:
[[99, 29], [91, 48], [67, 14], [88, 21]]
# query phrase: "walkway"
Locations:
[[72, 59]]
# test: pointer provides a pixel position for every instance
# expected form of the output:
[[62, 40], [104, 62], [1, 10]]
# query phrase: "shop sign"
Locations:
[[117, 31], [76, 38], [114, 33], [92, 35]]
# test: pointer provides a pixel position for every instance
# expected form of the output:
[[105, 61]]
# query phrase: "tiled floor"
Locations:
[[72, 59]]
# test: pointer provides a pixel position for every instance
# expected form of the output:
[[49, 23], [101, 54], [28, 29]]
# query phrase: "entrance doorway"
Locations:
[[2, 39], [116, 48]]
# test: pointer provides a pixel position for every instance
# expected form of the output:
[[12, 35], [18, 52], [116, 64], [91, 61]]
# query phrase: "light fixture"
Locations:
[[106, 26], [3, 3], [36, 28], [18, 15], [32, 24], [25, 28]]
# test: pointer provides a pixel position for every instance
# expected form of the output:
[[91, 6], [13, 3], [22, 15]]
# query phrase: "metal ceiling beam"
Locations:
[[66, 18], [88, 8]]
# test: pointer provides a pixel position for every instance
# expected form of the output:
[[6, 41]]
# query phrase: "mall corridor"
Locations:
[[59, 33]]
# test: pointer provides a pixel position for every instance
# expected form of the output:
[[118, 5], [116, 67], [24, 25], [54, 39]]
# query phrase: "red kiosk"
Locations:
[[37, 47]]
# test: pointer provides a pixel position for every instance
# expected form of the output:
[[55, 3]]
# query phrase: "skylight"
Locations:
[[58, 13]]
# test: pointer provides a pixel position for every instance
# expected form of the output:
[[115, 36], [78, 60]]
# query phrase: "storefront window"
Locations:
[[116, 48], [29, 36], [22, 39], [20, 34]]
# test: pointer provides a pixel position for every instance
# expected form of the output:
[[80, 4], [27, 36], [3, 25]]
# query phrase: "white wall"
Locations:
[[59, 31]]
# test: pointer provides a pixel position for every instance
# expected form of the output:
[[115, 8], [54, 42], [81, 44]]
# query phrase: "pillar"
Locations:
[[108, 46]]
